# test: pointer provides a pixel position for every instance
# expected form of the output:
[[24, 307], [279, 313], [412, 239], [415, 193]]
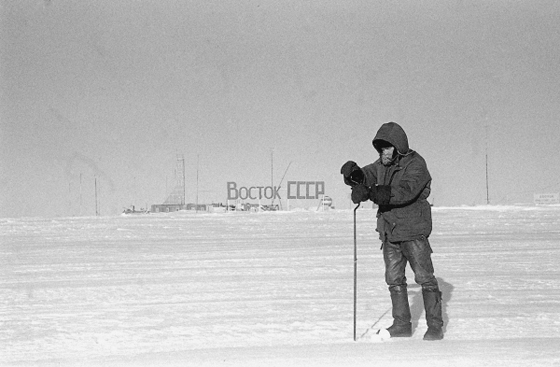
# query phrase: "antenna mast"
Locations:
[[96, 200], [486, 157], [272, 173], [181, 178], [184, 186], [197, 164]]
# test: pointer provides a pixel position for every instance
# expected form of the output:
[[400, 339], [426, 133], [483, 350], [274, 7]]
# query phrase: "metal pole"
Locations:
[[486, 158], [197, 163], [272, 176], [355, 270], [280, 185], [487, 191], [96, 200], [184, 201]]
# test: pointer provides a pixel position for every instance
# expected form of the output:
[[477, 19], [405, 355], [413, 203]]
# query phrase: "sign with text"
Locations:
[[252, 192], [306, 189], [546, 199], [295, 190]]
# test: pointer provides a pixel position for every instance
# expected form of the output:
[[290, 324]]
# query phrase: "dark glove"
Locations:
[[360, 193], [381, 194], [353, 174]]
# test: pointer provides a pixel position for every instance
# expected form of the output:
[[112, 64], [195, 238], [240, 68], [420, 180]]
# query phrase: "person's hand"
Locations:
[[360, 193], [352, 173]]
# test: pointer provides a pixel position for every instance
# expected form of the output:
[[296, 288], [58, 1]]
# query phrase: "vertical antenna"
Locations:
[[184, 186], [180, 190], [197, 161], [272, 175], [96, 202], [80, 212], [70, 197], [486, 157], [487, 193]]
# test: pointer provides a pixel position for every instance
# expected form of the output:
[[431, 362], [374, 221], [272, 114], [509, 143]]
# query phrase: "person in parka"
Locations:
[[399, 183]]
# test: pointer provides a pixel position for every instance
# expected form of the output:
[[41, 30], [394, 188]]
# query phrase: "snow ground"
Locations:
[[272, 289]]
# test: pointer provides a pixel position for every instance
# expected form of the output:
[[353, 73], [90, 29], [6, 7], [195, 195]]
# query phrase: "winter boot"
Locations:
[[432, 305], [402, 327]]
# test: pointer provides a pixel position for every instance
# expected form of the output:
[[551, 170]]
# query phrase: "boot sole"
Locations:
[[401, 336], [433, 338]]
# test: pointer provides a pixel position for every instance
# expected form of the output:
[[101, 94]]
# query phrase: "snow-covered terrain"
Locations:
[[272, 289]]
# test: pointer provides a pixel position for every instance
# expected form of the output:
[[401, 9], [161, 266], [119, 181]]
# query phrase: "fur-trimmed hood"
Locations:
[[392, 133]]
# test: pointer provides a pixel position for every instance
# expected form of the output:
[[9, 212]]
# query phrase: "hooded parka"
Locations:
[[407, 216]]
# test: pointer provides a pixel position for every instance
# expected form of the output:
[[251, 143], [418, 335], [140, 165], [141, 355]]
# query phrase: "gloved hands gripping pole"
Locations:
[[355, 178]]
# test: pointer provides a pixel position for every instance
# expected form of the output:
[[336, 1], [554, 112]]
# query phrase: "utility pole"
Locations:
[[272, 175], [96, 200], [80, 212], [197, 163], [487, 190], [184, 186]]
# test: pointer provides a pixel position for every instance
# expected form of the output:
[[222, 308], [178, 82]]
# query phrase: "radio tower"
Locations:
[[178, 194]]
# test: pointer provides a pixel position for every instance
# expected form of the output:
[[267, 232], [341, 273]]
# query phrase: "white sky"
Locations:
[[113, 90]]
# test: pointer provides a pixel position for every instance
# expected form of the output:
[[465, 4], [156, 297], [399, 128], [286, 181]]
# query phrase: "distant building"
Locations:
[[133, 210], [167, 208]]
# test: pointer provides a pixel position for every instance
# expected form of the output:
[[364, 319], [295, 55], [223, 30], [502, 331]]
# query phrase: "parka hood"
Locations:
[[392, 133]]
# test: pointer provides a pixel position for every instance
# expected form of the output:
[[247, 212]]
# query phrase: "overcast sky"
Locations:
[[114, 90]]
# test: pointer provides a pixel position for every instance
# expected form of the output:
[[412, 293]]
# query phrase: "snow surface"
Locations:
[[272, 289]]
